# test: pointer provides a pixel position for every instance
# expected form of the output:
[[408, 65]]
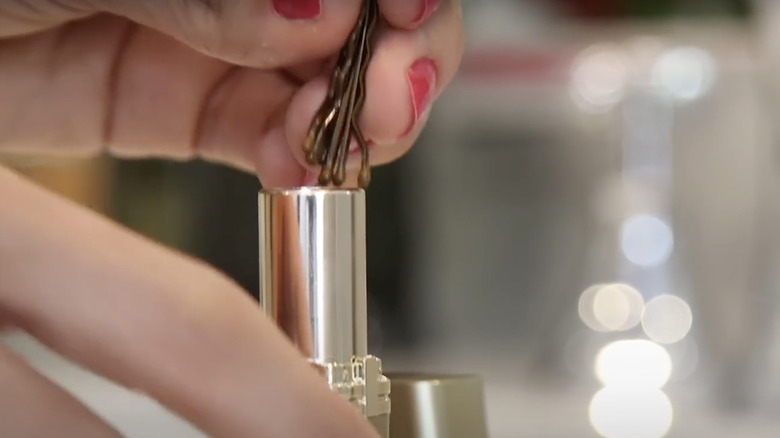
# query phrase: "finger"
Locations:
[[242, 125], [408, 14], [33, 406], [254, 33], [155, 321], [276, 164], [25, 17], [407, 73], [155, 98]]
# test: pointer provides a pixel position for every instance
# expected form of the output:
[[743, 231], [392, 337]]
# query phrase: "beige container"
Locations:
[[437, 406]]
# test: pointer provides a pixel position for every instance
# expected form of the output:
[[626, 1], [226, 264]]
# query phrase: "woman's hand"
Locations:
[[234, 81]]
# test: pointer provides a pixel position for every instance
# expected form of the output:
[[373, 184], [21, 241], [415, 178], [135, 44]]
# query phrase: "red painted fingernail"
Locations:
[[422, 82], [428, 8], [298, 9]]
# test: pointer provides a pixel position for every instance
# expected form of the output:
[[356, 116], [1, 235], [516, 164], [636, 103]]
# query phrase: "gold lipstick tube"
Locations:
[[313, 285]]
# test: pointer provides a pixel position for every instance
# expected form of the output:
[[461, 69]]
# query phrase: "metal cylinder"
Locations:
[[313, 269], [313, 285], [437, 406]]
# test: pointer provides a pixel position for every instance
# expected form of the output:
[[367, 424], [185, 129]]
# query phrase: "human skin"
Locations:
[[231, 81]]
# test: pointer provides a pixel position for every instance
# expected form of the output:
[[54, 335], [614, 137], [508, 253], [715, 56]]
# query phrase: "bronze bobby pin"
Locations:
[[336, 122]]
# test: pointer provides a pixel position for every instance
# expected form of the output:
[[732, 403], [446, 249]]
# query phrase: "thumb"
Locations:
[[255, 33]]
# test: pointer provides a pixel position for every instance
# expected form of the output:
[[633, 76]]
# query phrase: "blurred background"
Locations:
[[587, 222]]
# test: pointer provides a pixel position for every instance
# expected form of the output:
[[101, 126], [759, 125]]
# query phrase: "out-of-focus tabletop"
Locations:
[[514, 410]]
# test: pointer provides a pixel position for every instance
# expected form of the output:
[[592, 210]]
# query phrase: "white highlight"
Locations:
[[634, 365], [599, 77], [611, 307], [620, 413], [686, 73], [646, 240], [667, 319]]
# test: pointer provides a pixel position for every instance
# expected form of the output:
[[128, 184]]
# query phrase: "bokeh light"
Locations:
[[667, 319], [686, 73], [646, 240], [633, 364], [585, 308], [599, 78], [611, 307], [618, 307], [622, 413]]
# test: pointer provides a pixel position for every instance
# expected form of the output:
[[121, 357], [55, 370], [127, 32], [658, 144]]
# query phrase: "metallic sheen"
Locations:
[[313, 273], [437, 406], [313, 285], [336, 122]]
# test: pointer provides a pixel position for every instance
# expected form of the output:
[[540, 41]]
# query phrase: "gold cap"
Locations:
[[437, 406], [313, 286]]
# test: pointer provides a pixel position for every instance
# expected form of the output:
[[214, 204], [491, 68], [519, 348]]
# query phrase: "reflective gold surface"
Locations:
[[313, 270], [313, 286], [437, 406]]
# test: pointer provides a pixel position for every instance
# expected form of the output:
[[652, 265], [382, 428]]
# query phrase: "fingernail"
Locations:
[[422, 82], [428, 8], [298, 9]]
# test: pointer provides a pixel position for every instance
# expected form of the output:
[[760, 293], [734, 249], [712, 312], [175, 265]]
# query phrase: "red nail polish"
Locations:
[[428, 8], [298, 9], [422, 83]]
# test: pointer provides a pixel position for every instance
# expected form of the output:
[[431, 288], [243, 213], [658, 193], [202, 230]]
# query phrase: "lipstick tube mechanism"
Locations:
[[313, 285], [313, 281]]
